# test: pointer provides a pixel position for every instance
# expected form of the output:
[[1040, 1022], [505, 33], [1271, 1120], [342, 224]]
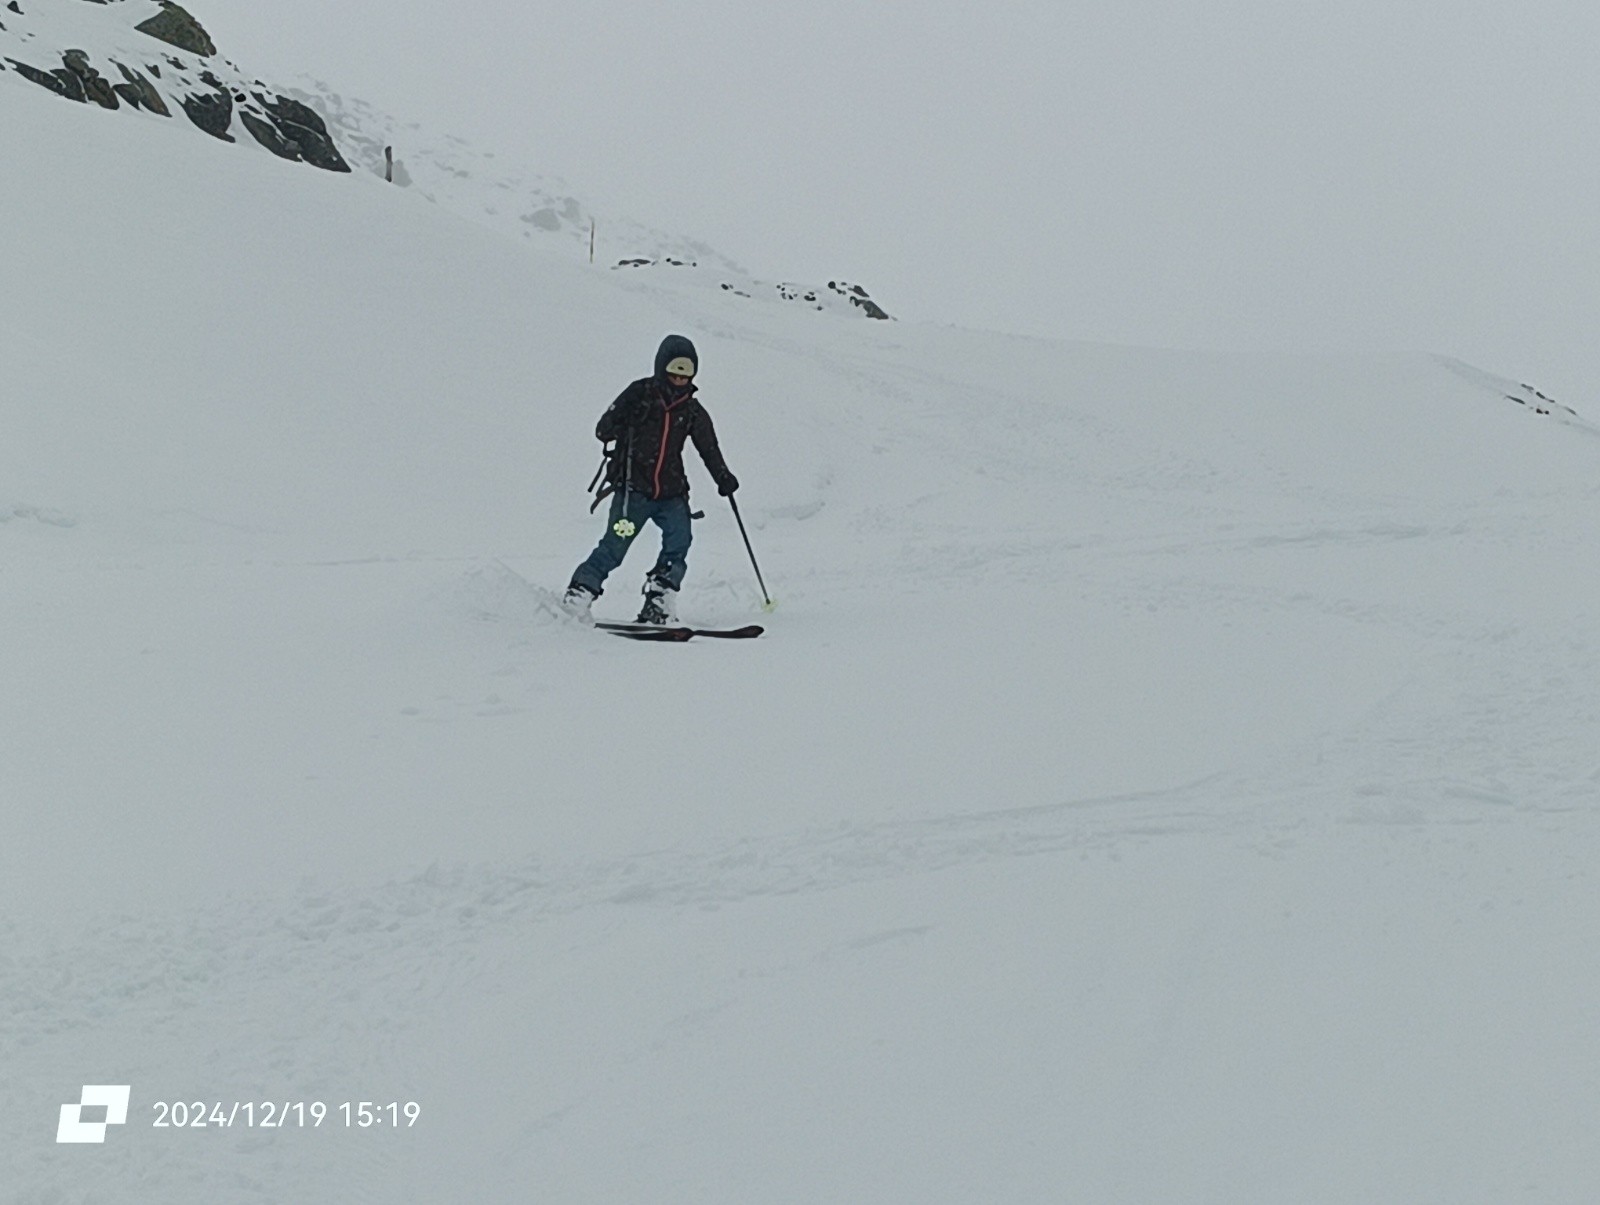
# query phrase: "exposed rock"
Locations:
[[211, 94], [857, 296], [211, 111], [1540, 403], [814, 299], [267, 135], [299, 124], [140, 92], [43, 79], [60, 81], [292, 131], [174, 26], [96, 87]]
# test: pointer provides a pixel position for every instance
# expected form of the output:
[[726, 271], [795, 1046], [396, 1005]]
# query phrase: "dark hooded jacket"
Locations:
[[649, 422]]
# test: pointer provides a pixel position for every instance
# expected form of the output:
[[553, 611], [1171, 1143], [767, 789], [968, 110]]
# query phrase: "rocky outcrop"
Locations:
[[857, 296], [174, 26], [139, 92], [294, 132], [154, 57], [75, 79], [96, 88], [60, 81], [211, 108], [126, 69], [268, 136], [304, 132], [822, 300]]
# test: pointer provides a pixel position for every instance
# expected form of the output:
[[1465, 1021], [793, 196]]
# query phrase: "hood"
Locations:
[[671, 348]]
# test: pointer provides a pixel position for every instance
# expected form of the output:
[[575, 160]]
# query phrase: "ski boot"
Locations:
[[577, 601], [660, 603]]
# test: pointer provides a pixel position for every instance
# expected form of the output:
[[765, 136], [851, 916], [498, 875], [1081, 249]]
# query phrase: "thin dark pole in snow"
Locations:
[[766, 599]]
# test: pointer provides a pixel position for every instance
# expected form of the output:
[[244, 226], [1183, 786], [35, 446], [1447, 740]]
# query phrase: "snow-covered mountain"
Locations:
[[1167, 777], [538, 207], [154, 57]]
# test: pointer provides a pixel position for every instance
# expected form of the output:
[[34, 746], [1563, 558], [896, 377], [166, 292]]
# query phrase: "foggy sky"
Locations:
[[1229, 174]]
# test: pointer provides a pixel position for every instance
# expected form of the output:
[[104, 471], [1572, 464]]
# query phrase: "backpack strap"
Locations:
[[607, 489]]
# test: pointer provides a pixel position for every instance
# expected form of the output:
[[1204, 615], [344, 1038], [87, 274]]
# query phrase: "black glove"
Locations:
[[727, 485]]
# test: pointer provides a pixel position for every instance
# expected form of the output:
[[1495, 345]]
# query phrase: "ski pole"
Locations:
[[624, 526], [767, 603]]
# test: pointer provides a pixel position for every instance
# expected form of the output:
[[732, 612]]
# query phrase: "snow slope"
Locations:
[[539, 208], [1167, 777], [103, 53]]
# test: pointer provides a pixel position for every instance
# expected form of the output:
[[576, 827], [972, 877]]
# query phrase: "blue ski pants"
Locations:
[[671, 515]]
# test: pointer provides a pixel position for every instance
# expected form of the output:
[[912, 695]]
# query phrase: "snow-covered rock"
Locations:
[[152, 56]]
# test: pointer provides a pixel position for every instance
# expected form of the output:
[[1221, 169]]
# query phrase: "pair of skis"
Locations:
[[673, 633], [677, 634]]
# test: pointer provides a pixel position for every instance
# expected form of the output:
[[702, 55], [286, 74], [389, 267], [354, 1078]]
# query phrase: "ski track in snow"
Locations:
[[48, 516], [339, 958], [327, 940]]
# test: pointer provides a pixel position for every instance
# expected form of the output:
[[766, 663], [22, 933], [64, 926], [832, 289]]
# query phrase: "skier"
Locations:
[[644, 475]]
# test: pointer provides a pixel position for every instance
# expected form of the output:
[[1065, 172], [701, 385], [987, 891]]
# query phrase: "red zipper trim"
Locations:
[[661, 456]]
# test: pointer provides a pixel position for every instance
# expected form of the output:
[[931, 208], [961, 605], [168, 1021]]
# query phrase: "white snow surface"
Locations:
[[1166, 777], [537, 207]]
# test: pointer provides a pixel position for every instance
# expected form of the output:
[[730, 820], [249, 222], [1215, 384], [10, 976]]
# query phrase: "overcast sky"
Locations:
[[1372, 173]]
